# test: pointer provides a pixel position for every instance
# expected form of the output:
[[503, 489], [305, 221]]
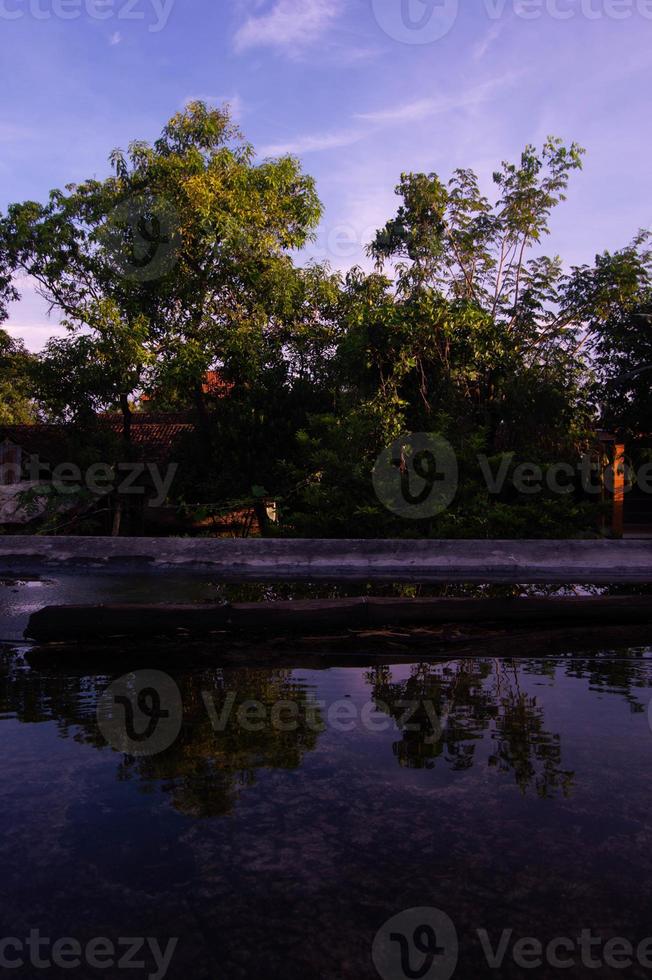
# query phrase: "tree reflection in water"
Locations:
[[205, 770], [477, 698], [477, 701]]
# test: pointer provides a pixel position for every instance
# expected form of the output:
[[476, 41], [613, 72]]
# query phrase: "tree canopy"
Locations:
[[185, 259]]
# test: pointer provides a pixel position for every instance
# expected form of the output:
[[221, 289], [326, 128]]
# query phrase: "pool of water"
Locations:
[[411, 820]]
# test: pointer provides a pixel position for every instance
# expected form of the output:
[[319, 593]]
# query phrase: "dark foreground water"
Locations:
[[264, 823]]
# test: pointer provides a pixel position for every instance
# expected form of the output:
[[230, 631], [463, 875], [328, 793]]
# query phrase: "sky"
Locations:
[[359, 90]]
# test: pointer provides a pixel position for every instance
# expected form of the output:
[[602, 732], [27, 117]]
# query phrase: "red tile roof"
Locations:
[[214, 384], [153, 437]]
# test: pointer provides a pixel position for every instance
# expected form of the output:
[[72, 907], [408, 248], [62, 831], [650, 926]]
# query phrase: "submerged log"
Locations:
[[319, 616], [293, 651], [72, 622]]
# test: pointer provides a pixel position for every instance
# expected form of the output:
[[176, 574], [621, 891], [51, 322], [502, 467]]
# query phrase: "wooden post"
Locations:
[[618, 514]]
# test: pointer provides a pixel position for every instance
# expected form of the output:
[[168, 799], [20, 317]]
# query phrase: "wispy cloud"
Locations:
[[289, 25], [480, 49], [406, 112], [115, 38], [424, 108], [10, 133], [381, 118], [311, 142]]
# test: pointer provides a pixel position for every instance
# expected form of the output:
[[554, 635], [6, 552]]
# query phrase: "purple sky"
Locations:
[[359, 90]]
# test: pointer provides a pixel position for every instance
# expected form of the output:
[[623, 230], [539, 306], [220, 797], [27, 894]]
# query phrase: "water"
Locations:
[[275, 840]]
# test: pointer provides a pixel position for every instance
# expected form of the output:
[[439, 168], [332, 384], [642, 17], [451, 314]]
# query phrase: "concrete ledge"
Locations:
[[309, 560]]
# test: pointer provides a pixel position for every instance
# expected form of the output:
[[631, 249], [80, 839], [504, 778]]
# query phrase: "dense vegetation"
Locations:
[[185, 260]]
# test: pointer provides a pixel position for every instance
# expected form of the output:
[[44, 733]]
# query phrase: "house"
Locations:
[[37, 460], [153, 438]]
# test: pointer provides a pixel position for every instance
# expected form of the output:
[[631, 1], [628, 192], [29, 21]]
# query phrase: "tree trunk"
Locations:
[[203, 426], [260, 511], [126, 419]]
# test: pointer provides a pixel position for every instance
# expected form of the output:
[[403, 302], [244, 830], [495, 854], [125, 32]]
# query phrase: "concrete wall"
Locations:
[[301, 560]]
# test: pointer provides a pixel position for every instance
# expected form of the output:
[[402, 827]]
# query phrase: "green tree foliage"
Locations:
[[467, 336], [16, 402], [478, 317], [168, 262], [615, 296], [182, 261]]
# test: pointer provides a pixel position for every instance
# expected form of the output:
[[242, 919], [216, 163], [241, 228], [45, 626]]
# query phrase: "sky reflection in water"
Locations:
[[281, 853]]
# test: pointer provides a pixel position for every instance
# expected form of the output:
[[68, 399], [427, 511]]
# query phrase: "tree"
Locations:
[[16, 402], [175, 249], [477, 313], [274, 387], [461, 331], [79, 376], [615, 297]]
